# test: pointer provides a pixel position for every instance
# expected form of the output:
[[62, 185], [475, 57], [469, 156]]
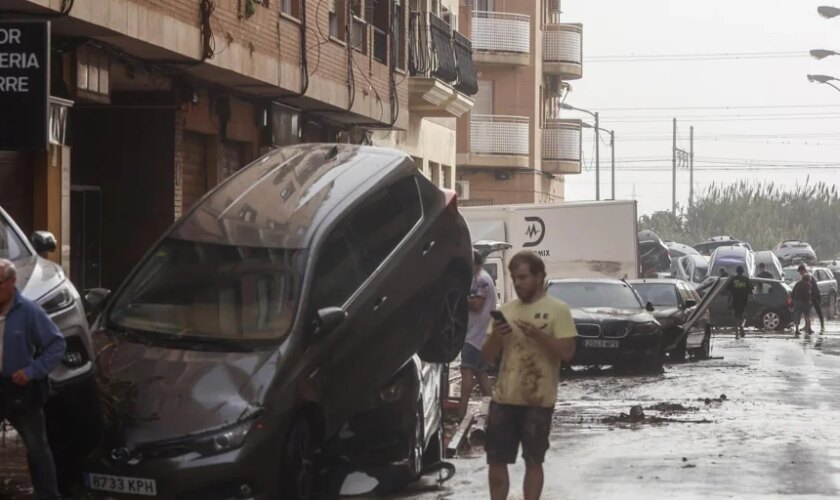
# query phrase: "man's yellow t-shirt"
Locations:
[[528, 376]]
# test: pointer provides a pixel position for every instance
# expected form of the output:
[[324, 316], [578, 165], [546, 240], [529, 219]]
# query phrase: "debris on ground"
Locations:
[[709, 401], [666, 407], [637, 416]]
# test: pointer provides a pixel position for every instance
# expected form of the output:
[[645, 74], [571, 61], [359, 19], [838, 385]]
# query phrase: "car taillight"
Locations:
[[451, 200], [790, 300]]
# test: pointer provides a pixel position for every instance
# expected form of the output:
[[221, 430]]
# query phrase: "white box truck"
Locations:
[[575, 239]]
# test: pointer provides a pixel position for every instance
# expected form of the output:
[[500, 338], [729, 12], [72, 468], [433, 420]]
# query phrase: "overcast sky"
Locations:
[[756, 107]]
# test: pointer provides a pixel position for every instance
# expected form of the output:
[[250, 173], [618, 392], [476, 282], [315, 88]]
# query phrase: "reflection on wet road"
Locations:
[[774, 433]]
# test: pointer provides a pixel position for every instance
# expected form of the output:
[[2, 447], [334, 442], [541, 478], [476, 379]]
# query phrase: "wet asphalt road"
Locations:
[[777, 433]]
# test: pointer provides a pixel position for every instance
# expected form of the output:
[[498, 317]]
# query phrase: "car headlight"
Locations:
[[224, 440], [649, 327], [55, 301]]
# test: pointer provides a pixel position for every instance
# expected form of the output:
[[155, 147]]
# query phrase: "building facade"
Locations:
[[513, 147], [156, 101]]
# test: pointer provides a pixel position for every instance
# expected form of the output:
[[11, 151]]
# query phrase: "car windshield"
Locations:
[[700, 273], [730, 265], [791, 274], [582, 294], [11, 247], [658, 294], [197, 289]]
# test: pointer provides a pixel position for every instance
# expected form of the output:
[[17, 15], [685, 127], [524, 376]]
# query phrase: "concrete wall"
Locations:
[[431, 141]]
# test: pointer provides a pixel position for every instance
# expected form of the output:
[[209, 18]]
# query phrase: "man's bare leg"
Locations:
[[533, 483], [484, 384], [499, 481], [467, 375]]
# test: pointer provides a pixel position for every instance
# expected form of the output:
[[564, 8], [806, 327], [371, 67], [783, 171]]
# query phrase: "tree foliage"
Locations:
[[762, 214]]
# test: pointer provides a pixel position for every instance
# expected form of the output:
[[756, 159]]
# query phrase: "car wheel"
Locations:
[[705, 351], [416, 452], [771, 320], [678, 354], [298, 470], [450, 328]]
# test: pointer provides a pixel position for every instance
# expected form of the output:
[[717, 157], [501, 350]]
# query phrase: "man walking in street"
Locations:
[[763, 272], [534, 333], [31, 346], [816, 296], [740, 289], [482, 300], [802, 304]]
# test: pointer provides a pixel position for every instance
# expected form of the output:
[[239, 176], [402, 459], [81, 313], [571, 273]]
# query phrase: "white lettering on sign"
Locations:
[[10, 60], [14, 84], [9, 36]]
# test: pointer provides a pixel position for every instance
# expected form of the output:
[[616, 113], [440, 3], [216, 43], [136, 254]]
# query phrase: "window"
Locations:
[[483, 5], [338, 11], [10, 245], [384, 220], [377, 15], [398, 33], [338, 273], [484, 98], [358, 27], [290, 7]]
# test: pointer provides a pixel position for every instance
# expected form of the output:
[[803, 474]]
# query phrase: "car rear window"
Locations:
[[658, 294], [11, 247]]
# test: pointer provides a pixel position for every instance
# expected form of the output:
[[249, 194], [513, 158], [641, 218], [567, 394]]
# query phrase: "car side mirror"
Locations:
[[44, 242], [96, 299], [690, 303], [649, 307], [328, 320]]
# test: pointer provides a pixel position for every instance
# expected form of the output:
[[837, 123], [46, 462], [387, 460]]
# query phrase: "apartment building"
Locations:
[[154, 102], [513, 147]]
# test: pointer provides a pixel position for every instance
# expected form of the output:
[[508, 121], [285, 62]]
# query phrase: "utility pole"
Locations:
[[597, 158], [674, 177], [612, 149], [691, 169]]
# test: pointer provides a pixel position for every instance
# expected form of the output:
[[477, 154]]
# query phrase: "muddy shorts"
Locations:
[[510, 425]]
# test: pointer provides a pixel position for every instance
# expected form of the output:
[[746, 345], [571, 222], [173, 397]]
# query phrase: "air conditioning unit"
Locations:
[[462, 189]]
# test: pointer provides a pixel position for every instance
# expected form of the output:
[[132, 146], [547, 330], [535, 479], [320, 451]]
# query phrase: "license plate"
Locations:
[[601, 344], [122, 484]]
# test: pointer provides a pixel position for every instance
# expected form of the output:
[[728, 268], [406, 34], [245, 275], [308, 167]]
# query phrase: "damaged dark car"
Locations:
[[675, 302], [286, 303]]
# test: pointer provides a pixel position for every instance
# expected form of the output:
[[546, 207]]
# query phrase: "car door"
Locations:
[[826, 284], [373, 344], [695, 335]]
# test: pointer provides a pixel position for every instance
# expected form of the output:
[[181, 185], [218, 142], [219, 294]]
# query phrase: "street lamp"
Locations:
[[597, 127], [828, 12], [822, 53], [824, 79], [612, 153]]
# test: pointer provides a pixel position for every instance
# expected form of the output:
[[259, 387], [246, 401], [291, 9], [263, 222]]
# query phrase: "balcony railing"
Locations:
[[561, 144], [563, 50], [435, 51], [501, 32], [499, 135], [467, 76]]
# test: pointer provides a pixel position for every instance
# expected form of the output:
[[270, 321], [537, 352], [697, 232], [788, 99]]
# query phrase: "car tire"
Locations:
[[678, 354], [298, 470], [705, 351], [416, 445], [771, 320], [450, 327]]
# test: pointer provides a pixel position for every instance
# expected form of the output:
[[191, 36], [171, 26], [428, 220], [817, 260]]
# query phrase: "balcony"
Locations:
[[440, 64], [501, 38], [561, 146], [498, 141], [563, 51]]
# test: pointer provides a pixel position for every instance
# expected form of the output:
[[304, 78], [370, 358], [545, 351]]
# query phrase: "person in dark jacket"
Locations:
[[763, 272], [740, 289], [816, 296], [31, 346], [802, 303]]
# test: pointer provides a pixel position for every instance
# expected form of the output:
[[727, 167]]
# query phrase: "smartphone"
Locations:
[[498, 317]]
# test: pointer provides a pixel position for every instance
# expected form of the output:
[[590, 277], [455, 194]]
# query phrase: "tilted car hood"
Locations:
[[37, 276], [599, 314], [177, 393]]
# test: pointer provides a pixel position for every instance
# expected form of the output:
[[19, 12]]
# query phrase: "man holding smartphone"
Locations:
[[534, 333], [482, 302]]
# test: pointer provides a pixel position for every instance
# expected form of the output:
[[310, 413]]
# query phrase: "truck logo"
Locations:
[[535, 231]]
